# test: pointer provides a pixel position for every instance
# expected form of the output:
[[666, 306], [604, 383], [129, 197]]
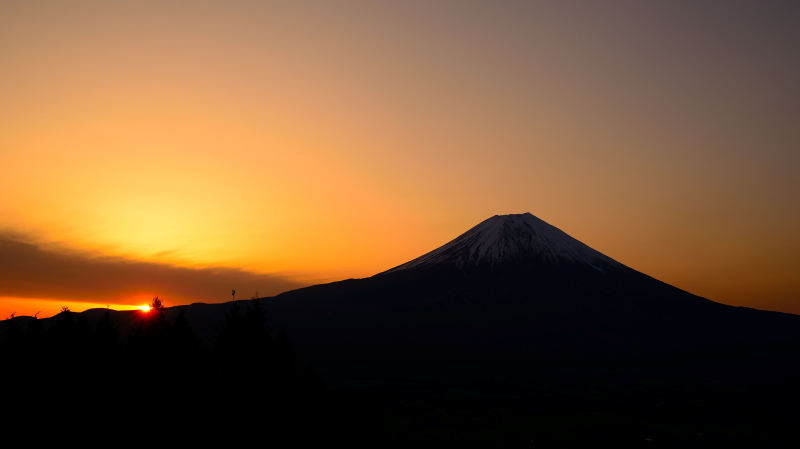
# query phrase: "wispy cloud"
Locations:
[[30, 269]]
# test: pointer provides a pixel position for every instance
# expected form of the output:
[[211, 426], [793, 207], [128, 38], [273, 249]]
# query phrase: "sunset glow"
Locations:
[[170, 141], [448, 223]]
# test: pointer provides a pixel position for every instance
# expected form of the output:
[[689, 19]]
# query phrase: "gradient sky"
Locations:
[[187, 148]]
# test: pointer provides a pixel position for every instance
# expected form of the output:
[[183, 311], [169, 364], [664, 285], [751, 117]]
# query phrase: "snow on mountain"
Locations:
[[512, 238]]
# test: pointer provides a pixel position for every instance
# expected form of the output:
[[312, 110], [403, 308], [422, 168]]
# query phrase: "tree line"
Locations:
[[155, 371]]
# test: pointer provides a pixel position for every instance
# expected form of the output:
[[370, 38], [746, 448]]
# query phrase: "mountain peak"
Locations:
[[512, 238]]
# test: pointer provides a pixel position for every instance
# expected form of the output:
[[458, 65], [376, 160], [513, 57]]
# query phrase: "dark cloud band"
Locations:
[[30, 270]]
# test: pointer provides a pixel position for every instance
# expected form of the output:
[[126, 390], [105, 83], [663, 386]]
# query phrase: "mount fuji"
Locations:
[[512, 291], [512, 239]]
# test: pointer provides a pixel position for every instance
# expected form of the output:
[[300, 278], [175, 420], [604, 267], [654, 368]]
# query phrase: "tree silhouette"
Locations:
[[70, 365], [106, 333], [183, 341]]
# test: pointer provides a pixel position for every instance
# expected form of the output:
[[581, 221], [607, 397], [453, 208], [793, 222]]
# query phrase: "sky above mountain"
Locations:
[[285, 144]]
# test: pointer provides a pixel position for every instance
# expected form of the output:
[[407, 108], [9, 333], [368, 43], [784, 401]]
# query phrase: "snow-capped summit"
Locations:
[[512, 238]]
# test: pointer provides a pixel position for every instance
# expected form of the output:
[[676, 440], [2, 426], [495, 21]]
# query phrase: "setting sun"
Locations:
[[145, 308]]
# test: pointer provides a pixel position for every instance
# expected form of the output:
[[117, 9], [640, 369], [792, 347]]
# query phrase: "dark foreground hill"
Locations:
[[513, 334]]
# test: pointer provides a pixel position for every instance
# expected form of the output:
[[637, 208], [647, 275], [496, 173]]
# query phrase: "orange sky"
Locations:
[[296, 144]]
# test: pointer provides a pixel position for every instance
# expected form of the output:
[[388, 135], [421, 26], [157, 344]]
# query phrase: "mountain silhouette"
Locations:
[[512, 295]]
